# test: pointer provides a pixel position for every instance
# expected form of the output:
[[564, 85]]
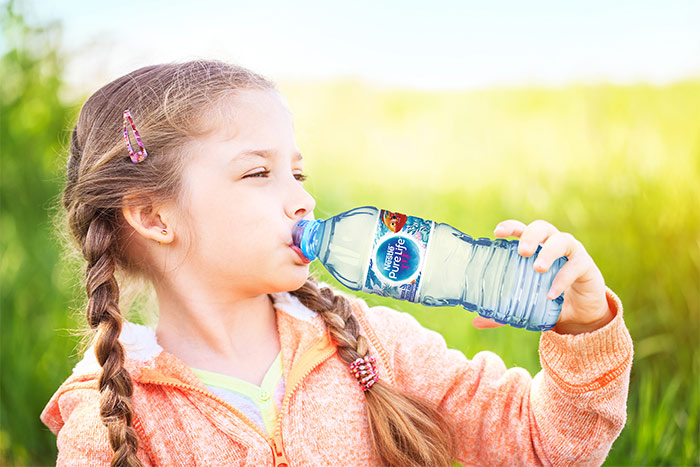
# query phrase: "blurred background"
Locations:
[[586, 115]]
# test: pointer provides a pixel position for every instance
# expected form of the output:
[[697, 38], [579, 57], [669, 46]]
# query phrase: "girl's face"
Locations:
[[243, 194]]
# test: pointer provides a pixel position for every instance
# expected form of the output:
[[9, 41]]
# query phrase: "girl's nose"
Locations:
[[300, 204]]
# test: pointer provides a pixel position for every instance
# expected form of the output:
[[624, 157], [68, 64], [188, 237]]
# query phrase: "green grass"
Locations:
[[617, 166]]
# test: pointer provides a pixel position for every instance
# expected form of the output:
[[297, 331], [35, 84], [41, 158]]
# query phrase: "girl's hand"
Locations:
[[585, 307]]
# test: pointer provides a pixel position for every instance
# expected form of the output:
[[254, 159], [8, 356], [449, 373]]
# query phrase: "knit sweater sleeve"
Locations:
[[82, 439], [568, 413]]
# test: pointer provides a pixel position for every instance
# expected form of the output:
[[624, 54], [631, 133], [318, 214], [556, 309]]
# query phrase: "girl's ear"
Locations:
[[151, 222]]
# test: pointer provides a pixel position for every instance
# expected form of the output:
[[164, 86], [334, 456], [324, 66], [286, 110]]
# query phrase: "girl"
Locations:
[[188, 175]]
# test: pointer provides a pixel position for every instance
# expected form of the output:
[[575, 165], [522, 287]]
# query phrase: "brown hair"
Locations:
[[406, 431], [169, 103]]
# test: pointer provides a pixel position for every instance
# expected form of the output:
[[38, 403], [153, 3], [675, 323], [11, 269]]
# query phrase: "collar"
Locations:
[[142, 348]]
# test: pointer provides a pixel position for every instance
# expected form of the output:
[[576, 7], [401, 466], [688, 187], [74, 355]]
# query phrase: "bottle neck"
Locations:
[[304, 237]]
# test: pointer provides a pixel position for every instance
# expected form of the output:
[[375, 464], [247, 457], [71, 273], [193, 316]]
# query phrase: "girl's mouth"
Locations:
[[304, 259]]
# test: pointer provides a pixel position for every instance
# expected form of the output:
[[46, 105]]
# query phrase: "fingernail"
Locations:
[[539, 263], [524, 247]]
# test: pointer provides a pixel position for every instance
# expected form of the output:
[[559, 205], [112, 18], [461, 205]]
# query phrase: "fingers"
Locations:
[[564, 278], [555, 244], [577, 268], [509, 228], [536, 233], [558, 245], [480, 322], [531, 236]]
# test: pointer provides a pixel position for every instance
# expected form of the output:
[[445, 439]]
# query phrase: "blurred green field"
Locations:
[[617, 166]]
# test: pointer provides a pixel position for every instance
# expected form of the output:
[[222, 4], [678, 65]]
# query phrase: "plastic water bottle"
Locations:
[[409, 258]]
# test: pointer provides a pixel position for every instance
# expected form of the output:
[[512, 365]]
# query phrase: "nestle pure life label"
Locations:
[[398, 255]]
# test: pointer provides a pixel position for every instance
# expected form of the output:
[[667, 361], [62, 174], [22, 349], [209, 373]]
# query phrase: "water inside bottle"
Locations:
[[343, 251], [482, 275]]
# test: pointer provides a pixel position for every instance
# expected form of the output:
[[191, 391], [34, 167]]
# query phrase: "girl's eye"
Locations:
[[264, 173]]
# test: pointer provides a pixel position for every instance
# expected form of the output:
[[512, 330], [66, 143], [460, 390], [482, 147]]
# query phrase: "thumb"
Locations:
[[480, 322]]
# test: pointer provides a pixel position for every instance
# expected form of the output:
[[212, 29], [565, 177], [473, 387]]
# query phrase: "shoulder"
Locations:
[[418, 360], [396, 330], [75, 406], [78, 398], [402, 342], [73, 415]]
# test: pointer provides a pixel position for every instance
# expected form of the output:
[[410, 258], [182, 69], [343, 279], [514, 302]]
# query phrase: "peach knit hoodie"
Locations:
[[568, 414]]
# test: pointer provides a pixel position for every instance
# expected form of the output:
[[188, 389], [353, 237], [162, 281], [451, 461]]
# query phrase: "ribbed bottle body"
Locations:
[[491, 278]]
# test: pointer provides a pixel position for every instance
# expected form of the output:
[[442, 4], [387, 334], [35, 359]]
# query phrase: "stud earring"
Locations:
[[163, 232]]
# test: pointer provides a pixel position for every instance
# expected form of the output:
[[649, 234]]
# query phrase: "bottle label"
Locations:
[[398, 256]]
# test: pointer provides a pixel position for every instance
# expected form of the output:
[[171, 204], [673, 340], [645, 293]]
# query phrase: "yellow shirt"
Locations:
[[260, 403]]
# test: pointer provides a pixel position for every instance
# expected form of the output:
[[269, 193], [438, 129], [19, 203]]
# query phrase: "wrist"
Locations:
[[579, 328]]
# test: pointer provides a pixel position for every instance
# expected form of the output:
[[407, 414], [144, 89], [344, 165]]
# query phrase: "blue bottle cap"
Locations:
[[303, 237]]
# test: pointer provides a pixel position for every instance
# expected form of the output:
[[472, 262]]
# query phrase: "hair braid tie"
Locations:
[[365, 371]]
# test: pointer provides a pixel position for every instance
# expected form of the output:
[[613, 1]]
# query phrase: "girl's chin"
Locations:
[[292, 283], [302, 279]]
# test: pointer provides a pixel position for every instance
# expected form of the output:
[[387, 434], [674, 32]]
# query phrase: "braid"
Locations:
[[406, 431], [103, 316]]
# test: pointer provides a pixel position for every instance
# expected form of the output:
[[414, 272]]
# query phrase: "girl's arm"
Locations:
[[569, 413]]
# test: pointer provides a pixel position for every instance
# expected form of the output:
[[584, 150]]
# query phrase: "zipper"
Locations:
[[325, 346], [310, 358], [173, 384], [136, 423], [274, 442], [278, 451], [360, 315]]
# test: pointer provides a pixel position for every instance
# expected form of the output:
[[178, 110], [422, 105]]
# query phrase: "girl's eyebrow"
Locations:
[[263, 154]]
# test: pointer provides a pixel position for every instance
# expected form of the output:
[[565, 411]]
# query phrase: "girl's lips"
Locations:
[[301, 255]]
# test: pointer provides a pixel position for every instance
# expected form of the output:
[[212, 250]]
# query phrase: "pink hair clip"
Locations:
[[141, 155], [365, 371]]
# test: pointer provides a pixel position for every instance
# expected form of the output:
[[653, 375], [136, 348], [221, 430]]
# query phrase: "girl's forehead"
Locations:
[[254, 120], [246, 111], [253, 101]]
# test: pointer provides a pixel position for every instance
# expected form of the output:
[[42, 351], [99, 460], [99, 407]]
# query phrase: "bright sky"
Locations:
[[418, 44]]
